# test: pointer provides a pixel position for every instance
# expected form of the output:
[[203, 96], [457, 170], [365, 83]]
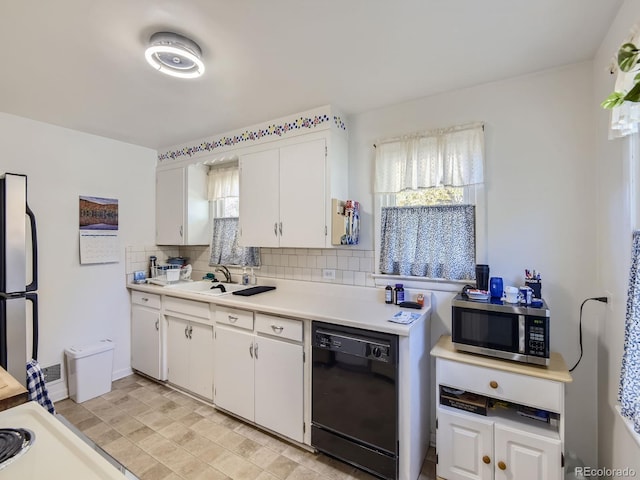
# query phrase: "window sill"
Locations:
[[382, 280], [635, 435]]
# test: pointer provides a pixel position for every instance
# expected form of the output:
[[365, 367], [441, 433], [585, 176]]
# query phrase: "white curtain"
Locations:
[[224, 191], [224, 182], [625, 118], [629, 389], [451, 157]]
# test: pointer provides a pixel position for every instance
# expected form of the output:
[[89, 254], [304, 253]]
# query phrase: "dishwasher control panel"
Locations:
[[356, 345]]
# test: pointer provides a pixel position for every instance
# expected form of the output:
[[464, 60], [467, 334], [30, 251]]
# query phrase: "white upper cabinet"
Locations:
[[285, 193], [182, 206], [260, 198]]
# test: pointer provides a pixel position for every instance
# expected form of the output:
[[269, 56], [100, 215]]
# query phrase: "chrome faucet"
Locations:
[[225, 271]]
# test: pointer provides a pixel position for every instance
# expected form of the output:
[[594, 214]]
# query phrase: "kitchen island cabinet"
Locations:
[[503, 444]]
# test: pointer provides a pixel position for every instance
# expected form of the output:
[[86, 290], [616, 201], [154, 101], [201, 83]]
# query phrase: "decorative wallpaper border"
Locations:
[[300, 123]]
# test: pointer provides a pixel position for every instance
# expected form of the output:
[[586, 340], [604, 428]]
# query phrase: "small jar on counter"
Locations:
[[399, 293], [388, 294]]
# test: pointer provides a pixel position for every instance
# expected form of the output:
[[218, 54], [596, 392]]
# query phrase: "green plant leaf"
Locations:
[[613, 100], [633, 95], [627, 57]]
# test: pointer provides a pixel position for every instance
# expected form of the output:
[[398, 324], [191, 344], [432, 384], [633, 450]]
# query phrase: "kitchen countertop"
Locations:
[[354, 306], [556, 370], [12, 392]]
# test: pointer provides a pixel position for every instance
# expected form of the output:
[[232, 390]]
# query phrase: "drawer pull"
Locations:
[[502, 465], [233, 319], [277, 329], [144, 299], [493, 384], [486, 459]]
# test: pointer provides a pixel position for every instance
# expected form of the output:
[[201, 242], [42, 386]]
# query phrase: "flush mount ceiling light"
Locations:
[[174, 55]]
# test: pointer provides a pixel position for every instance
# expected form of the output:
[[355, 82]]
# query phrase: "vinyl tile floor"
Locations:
[[159, 433]]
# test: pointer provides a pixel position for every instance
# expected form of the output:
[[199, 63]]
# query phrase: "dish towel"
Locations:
[[37, 387]]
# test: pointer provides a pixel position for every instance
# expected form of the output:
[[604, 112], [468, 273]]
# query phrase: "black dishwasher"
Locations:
[[354, 410]]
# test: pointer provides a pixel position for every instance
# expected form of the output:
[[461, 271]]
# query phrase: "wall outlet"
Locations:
[[328, 274], [51, 373]]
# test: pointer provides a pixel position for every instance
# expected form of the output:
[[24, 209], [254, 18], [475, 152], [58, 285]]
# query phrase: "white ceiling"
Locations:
[[80, 63]]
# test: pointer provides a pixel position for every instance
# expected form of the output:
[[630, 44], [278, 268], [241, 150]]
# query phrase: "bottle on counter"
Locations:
[[388, 294], [245, 276], [252, 277], [399, 293], [152, 266]]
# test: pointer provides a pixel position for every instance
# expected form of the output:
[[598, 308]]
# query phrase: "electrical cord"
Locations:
[[599, 299]]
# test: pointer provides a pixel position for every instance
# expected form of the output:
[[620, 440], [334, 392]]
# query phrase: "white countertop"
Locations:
[[360, 307]]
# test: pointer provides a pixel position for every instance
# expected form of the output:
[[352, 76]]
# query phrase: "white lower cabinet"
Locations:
[[503, 444], [146, 338], [234, 371], [279, 387], [257, 377], [190, 356], [472, 447]]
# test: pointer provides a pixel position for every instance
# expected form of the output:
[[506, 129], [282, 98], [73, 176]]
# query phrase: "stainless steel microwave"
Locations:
[[499, 329]]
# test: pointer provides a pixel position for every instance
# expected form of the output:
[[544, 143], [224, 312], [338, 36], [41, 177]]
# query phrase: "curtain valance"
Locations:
[[444, 157], [224, 182]]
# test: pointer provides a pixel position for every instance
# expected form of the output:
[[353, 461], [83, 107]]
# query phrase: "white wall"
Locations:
[[80, 304], [540, 195], [614, 226]]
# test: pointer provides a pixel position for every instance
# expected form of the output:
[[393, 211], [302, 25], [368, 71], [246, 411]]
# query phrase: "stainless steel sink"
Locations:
[[205, 287]]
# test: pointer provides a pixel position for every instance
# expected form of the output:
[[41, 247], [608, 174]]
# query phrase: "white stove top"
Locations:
[[57, 452]]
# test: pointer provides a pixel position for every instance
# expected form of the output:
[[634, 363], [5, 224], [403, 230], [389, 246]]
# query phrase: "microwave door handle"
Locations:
[[33, 286], [521, 333]]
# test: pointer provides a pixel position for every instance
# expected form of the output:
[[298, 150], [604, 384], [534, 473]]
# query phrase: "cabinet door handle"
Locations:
[[486, 459], [251, 349], [158, 325], [180, 231], [190, 331], [502, 465], [277, 329], [493, 384], [275, 229], [186, 329], [280, 228], [255, 351], [233, 319]]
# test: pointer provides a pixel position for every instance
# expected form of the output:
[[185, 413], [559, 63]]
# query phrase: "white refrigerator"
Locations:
[[18, 278]]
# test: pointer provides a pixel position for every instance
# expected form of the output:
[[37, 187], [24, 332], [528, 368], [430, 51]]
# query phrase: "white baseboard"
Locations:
[[58, 390]]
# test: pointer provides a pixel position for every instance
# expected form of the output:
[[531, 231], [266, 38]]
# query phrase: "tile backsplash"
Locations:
[[352, 267]]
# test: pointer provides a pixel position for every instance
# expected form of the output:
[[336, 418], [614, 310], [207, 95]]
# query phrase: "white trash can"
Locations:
[[89, 370]]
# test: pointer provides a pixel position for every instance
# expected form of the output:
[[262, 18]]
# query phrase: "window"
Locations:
[[429, 200], [629, 388], [224, 197]]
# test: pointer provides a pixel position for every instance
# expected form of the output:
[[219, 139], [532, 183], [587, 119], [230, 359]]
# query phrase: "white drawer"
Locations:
[[236, 317], [147, 299], [514, 387], [187, 307], [279, 327]]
